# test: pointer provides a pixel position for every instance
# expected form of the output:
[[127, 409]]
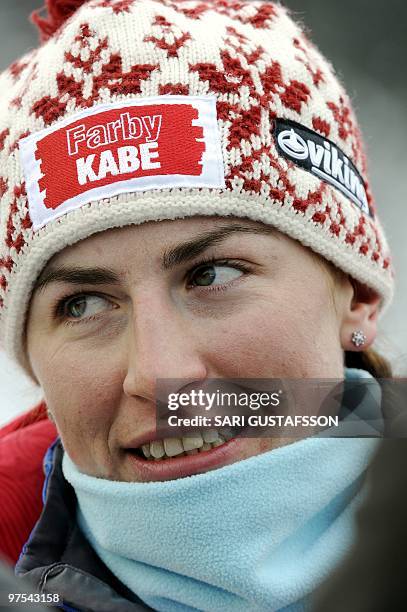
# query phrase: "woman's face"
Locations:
[[191, 299]]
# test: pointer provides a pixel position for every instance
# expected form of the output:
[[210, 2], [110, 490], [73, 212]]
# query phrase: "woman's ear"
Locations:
[[360, 314]]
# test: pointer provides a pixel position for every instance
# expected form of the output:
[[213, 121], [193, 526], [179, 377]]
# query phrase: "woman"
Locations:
[[189, 208]]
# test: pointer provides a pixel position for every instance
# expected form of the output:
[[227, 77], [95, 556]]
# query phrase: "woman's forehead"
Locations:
[[158, 236]]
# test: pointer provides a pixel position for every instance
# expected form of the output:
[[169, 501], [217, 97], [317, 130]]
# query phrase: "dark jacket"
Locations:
[[372, 577], [58, 559], [10, 586]]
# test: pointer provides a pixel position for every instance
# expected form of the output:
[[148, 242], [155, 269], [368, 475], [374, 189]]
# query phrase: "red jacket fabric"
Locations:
[[23, 444]]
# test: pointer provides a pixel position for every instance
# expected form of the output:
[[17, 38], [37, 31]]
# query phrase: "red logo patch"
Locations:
[[132, 146]]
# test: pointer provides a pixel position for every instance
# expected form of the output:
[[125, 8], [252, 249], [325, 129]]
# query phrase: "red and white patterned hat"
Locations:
[[139, 110]]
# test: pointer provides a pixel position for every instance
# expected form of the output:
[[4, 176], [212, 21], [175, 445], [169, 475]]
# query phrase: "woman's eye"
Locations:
[[213, 274], [85, 306]]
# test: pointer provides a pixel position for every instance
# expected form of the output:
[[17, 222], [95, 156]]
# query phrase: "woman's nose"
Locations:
[[161, 345]]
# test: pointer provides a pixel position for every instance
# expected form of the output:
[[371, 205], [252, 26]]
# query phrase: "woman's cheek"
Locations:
[[82, 394], [268, 341], [249, 345]]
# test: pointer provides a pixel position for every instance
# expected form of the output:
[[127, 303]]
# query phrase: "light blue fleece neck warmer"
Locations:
[[256, 535]]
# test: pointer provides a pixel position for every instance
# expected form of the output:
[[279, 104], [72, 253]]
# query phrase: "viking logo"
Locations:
[[292, 144], [322, 158]]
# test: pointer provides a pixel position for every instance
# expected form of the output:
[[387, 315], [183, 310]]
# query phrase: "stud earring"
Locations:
[[358, 338]]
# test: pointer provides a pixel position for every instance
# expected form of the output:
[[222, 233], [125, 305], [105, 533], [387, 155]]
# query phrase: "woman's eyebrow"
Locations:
[[172, 257], [77, 276], [189, 250]]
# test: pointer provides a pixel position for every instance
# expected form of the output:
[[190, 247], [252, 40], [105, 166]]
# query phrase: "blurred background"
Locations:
[[367, 43]]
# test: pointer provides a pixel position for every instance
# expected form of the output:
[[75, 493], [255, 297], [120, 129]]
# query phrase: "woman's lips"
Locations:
[[180, 467]]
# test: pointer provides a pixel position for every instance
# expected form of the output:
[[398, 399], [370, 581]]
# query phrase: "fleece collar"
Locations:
[[259, 534]]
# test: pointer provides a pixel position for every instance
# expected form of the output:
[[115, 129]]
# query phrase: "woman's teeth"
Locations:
[[188, 445]]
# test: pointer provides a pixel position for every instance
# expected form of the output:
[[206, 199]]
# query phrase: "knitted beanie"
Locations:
[[139, 110]]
